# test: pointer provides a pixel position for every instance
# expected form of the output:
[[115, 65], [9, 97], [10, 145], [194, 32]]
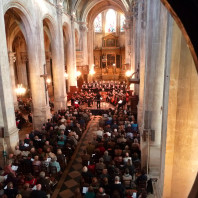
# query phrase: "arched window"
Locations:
[[122, 21], [98, 23], [110, 21]]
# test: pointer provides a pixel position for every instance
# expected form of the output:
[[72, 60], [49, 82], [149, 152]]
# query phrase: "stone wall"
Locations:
[[181, 164]]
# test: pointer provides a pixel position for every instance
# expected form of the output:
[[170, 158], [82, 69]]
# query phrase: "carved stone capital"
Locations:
[[59, 7], [135, 9], [83, 27]]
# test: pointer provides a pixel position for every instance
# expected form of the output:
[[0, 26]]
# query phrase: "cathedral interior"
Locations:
[[60, 58]]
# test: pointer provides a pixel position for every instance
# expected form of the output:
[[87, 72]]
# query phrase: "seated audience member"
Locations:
[[25, 191], [126, 158], [38, 193], [56, 164], [45, 182], [127, 178], [141, 178], [100, 165], [30, 180], [8, 168], [17, 151], [117, 188], [130, 167], [86, 175], [61, 159], [101, 193], [10, 191], [85, 158], [90, 193], [106, 157]]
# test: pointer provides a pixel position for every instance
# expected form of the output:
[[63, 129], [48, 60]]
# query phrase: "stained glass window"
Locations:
[[98, 23], [110, 21], [122, 21]]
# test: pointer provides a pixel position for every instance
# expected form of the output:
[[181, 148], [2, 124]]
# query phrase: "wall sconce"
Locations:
[[48, 81], [128, 73]]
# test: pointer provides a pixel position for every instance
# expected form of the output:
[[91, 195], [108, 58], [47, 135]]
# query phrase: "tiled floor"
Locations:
[[70, 179]]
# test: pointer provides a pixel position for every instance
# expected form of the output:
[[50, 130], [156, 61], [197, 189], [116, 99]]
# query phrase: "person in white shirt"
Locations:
[[99, 132], [126, 158]]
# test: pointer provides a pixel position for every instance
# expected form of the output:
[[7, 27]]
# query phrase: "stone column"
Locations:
[[58, 63], [48, 57], [179, 146], [12, 59], [134, 46], [142, 70], [90, 49], [83, 29], [36, 57], [7, 118], [71, 58], [23, 62], [156, 120], [127, 27]]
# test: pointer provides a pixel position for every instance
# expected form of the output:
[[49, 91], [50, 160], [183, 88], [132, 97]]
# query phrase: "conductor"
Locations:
[[98, 96]]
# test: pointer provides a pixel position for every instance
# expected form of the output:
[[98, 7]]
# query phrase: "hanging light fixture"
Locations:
[[66, 75], [78, 73], [48, 81], [20, 90]]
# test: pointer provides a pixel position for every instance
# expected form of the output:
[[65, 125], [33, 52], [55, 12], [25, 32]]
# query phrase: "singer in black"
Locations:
[[98, 97]]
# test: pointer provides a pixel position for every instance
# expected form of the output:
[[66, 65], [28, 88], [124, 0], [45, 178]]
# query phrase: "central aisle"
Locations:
[[70, 179]]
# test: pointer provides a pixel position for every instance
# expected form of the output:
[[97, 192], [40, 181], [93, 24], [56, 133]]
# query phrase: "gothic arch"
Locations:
[[23, 13], [98, 6], [51, 24]]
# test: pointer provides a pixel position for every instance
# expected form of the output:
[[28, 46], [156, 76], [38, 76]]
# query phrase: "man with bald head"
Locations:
[[38, 193]]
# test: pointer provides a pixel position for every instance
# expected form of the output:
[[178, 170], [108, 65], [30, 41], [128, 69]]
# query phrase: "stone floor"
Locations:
[[70, 179]]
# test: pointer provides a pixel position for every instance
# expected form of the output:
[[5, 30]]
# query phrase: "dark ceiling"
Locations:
[[187, 11]]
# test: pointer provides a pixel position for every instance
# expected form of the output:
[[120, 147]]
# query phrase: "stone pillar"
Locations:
[[127, 27], [133, 37], [71, 58], [7, 118], [142, 70], [58, 63], [12, 59], [156, 120], [36, 57], [179, 147], [23, 62], [90, 49], [83, 29], [48, 57]]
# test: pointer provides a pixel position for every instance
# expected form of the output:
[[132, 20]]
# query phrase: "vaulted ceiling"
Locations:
[[185, 13], [83, 7]]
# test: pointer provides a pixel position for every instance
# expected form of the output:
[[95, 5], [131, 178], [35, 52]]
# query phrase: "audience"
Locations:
[[111, 162]]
